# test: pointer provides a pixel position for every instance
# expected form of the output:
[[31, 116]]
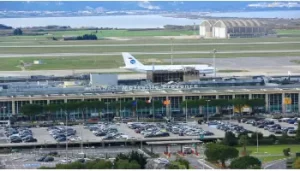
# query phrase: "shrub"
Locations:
[[286, 152]]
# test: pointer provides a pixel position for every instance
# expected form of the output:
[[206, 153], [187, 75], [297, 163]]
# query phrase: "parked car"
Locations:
[[48, 159]]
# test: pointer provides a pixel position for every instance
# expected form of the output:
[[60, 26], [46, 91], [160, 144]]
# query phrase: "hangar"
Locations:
[[232, 28]]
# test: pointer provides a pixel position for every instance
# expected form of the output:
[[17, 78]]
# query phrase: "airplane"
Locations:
[[132, 64]]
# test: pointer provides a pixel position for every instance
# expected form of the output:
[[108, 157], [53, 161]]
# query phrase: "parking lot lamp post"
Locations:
[[107, 103], [186, 118], [256, 139], [66, 136], [207, 101]]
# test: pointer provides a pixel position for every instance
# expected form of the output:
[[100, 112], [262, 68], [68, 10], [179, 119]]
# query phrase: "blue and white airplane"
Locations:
[[132, 64]]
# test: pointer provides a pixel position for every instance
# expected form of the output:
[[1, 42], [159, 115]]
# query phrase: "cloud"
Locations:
[[275, 5], [88, 8], [148, 5], [99, 9]]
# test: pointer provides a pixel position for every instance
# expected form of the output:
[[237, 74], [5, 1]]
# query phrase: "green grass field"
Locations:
[[135, 37], [289, 31], [270, 153], [106, 62], [146, 48]]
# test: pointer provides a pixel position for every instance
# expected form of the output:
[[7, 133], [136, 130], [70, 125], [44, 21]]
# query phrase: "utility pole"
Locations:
[[207, 110], [66, 136], [186, 118], [214, 61], [107, 103]]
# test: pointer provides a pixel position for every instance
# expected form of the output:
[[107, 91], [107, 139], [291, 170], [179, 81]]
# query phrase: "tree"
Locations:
[[18, 31], [140, 158], [239, 104], [183, 162], [220, 103], [133, 156], [256, 103], [126, 164], [83, 107], [51, 109], [298, 132], [31, 110], [245, 162], [244, 141], [220, 153], [259, 136], [296, 164], [230, 139]]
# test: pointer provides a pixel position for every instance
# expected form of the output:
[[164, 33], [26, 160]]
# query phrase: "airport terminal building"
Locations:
[[12, 101]]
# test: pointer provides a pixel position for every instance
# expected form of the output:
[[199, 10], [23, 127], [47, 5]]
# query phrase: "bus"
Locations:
[[4, 123]]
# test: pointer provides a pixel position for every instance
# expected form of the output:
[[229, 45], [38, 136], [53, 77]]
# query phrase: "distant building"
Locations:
[[103, 80], [231, 28]]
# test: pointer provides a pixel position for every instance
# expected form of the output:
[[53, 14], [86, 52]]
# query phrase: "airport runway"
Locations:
[[141, 53], [150, 44]]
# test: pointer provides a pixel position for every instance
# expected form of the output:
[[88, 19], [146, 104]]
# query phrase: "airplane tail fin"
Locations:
[[130, 61]]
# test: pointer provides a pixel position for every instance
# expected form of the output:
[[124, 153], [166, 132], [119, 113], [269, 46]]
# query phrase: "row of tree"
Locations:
[[32, 110], [133, 160], [220, 153], [87, 37]]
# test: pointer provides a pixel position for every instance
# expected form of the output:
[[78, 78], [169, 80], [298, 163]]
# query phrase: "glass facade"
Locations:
[[40, 102], [57, 101], [142, 111], [228, 109], [260, 96], [275, 102], [193, 111], [5, 110], [293, 107], [242, 96], [161, 110], [73, 100], [19, 104], [108, 107], [208, 109], [124, 111]]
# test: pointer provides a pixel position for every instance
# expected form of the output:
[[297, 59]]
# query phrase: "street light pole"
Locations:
[[107, 103], [66, 135], [256, 140], [186, 118], [207, 110]]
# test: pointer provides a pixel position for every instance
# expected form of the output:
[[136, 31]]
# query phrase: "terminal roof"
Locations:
[[173, 142]]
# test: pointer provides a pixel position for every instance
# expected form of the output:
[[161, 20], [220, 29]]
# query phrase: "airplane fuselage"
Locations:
[[201, 68]]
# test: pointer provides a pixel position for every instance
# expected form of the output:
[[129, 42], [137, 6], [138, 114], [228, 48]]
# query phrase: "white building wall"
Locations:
[[202, 31], [222, 33]]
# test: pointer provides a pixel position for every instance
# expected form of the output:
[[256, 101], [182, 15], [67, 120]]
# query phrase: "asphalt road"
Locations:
[[151, 44], [280, 164], [142, 53], [198, 163]]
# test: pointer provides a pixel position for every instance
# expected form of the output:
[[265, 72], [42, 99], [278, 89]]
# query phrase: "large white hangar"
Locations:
[[230, 28]]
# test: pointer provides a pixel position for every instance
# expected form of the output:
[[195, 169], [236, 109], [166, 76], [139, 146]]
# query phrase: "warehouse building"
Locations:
[[232, 28]]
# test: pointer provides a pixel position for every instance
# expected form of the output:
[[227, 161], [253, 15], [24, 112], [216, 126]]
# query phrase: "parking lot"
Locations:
[[266, 127], [139, 131], [28, 159]]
